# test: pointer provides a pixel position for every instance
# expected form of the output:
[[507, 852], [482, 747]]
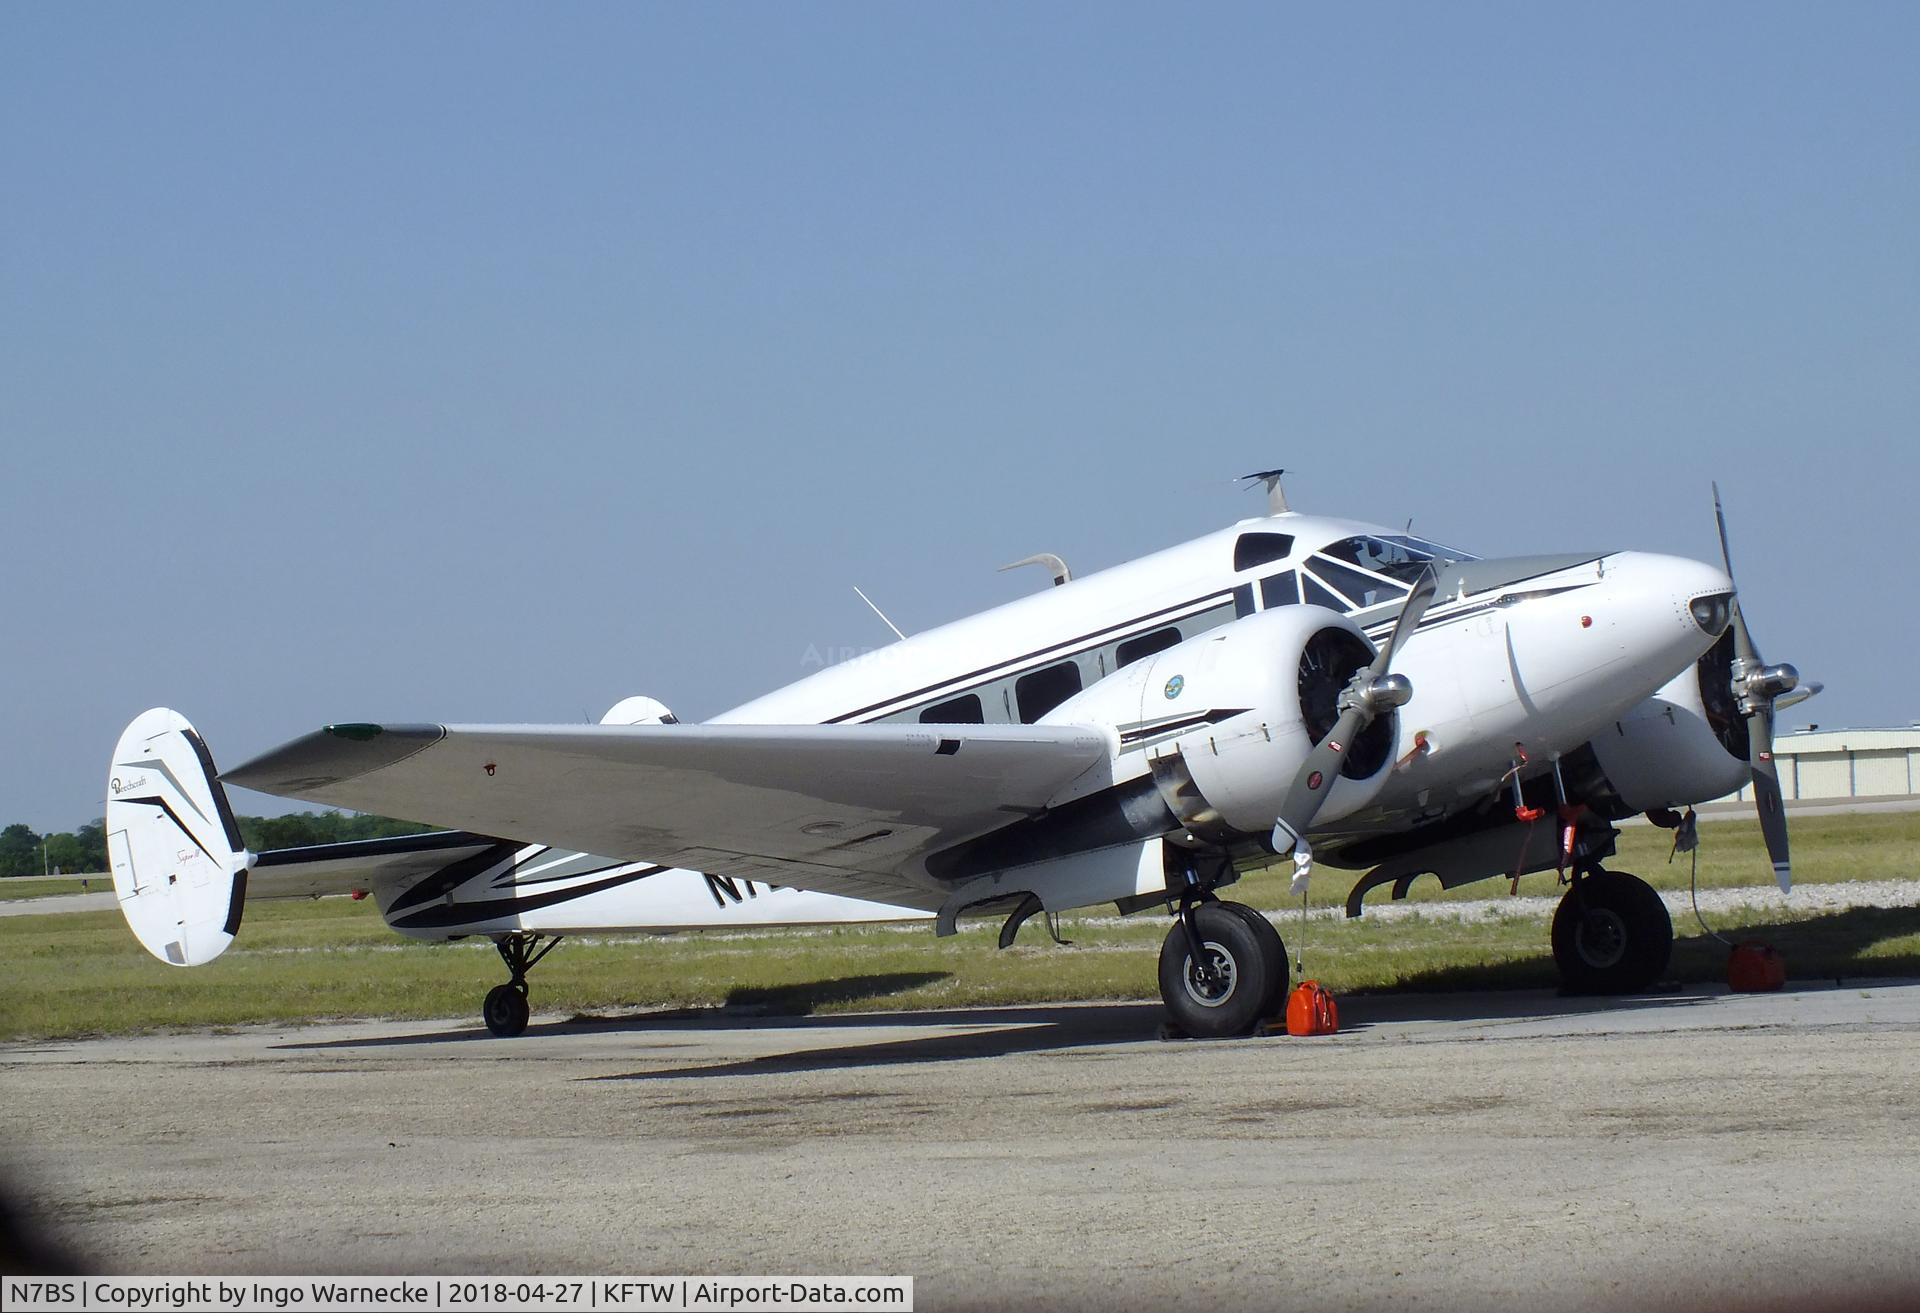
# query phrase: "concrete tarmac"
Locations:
[[1512, 1150]]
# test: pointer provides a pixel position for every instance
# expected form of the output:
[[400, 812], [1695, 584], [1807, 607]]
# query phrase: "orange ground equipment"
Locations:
[[1311, 1010], [1755, 968]]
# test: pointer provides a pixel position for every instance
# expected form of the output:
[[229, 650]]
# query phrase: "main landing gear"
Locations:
[[506, 1010], [1611, 934], [1236, 977]]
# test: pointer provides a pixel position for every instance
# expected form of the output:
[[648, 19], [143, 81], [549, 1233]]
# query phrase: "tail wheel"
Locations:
[[506, 1010], [1230, 985], [1611, 935]]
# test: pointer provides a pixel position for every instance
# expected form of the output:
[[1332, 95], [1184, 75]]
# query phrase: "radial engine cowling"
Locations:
[[1225, 719]]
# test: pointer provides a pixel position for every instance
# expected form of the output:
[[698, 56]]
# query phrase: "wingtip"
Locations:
[[331, 754]]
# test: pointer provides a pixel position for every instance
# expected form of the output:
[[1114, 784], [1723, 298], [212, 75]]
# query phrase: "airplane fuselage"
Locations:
[[1519, 663]]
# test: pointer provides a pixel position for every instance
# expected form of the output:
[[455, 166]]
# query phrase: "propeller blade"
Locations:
[[1766, 795], [1812, 688], [1720, 518], [1316, 775], [1759, 689], [1417, 603], [1743, 648], [1314, 780]]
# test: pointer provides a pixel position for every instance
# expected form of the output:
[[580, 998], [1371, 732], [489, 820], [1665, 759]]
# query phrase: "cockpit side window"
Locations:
[[1254, 549], [1280, 590], [1318, 594], [1365, 590]]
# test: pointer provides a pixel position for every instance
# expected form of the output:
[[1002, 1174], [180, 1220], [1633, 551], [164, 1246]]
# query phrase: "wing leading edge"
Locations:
[[842, 809]]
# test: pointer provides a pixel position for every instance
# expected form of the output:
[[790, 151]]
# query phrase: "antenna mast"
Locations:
[[1276, 494], [1055, 566]]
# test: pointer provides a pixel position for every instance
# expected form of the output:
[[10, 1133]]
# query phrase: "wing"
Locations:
[[842, 809]]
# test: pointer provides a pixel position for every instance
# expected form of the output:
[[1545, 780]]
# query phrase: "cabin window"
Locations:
[[1044, 689], [1280, 590], [963, 710], [1145, 646], [1318, 594], [1259, 548]]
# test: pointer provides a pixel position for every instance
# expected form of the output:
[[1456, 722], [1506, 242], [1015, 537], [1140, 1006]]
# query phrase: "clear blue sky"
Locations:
[[480, 363]]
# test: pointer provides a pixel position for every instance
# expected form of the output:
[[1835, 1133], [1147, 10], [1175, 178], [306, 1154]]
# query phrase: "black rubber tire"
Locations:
[[1235, 1004], [1276, 950], [1611, 935], [506, 1011]]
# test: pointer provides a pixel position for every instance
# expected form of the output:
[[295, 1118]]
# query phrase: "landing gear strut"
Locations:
[[1611, 934], [506, 1009], [1222, 968]]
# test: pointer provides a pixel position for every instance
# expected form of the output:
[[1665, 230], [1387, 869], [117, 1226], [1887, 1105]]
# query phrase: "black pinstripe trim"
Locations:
[[220, 802], [439, 916], [236, 903], [448, 878], [507, 882], [174, 816]]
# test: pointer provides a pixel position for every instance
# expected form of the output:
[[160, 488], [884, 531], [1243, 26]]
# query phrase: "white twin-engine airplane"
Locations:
[[1136, 737]]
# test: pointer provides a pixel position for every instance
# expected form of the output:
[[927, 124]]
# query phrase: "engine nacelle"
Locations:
[[1679, 746], [639, 710], [1224, 720]]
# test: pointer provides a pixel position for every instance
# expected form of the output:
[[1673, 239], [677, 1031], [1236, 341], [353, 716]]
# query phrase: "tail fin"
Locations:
[[179, 867]]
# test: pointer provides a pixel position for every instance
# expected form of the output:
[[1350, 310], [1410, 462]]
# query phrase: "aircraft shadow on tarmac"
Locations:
[[746, 1006], [995, 1032], [1829, 947]]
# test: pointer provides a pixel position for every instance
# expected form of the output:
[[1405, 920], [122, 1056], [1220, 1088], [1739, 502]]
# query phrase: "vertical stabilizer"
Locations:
[[179, 868]]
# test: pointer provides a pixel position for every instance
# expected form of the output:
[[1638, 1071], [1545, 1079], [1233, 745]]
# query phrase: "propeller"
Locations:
[[1757, 687], [1369, 694]]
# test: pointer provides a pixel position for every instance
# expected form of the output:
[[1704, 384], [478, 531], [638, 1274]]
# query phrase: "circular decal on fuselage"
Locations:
[[1174, 686]]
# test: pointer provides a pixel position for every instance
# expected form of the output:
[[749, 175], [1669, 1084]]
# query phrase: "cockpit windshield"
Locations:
[[1438, 551], [1398, 556]]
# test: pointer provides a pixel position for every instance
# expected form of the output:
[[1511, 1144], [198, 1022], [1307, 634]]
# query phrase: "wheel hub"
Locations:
[[1601, 937], [1212, 985]]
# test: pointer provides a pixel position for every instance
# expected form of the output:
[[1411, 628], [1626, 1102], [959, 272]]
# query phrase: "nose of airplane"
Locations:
[[1682, 604]]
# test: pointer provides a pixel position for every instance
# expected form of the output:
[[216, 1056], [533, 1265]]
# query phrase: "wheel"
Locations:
[[506, 1010], [1276, 951], [1611, 935], [1233, 995]]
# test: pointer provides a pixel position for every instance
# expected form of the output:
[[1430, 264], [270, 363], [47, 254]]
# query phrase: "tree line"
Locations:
[[23, 852]]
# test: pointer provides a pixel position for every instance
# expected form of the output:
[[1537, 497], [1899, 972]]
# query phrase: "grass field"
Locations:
[[16, 888], [83, 974]]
